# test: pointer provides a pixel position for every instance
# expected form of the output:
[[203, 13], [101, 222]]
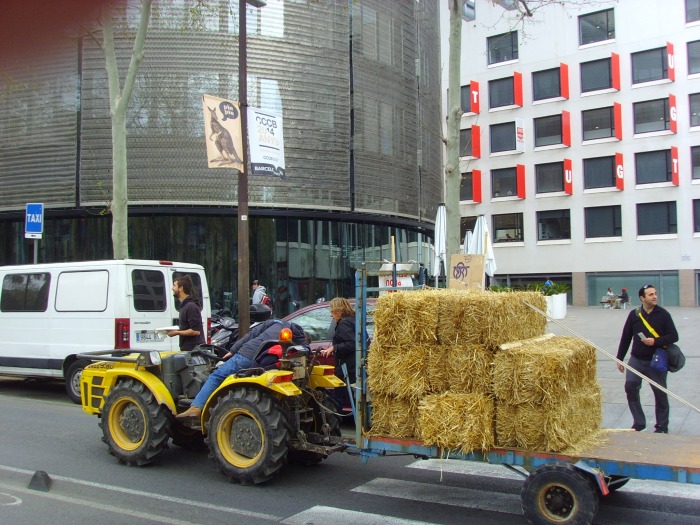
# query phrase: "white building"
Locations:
[[581, 144]]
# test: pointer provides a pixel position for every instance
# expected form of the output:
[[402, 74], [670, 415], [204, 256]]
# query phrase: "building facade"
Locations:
[[580, 143], [357, 84]]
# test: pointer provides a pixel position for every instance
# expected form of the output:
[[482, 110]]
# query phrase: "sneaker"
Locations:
[[638, 428], [661, 431]]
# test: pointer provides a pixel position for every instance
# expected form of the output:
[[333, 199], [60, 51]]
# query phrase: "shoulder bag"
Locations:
[[669, 357]]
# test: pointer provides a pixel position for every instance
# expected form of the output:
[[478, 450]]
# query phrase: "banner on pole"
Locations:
[[222, 130], [266, 143]]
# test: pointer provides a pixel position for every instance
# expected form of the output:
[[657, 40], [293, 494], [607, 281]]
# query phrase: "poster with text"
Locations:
[[222, 131], [467, 271], [266, 143]]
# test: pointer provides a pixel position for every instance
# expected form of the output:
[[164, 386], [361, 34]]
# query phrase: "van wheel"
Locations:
[[73, 380], [134, 425]]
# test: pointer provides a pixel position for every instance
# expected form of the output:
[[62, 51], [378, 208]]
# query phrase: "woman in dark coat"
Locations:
[[343, 347]]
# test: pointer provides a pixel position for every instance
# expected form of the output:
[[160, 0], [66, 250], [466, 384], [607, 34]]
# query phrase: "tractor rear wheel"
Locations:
[[248, 435], [134, 425]]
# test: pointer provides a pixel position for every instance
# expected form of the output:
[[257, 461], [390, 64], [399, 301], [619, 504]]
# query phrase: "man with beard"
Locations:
[[190, 327]]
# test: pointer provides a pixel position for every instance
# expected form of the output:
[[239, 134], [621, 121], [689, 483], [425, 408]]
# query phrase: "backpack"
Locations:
[[267, 301]]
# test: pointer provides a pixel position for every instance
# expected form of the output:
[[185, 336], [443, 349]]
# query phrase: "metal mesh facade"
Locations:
[[55, 129]]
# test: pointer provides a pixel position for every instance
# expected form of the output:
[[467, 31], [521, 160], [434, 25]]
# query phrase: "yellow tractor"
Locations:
[[255, 422]]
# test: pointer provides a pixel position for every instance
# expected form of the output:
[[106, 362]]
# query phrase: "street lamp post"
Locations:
[[243, 236]]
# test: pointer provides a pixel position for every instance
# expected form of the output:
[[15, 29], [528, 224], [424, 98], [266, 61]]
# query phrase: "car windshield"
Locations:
[[319, 323]]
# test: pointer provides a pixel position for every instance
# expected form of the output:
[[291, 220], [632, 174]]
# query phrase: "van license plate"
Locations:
[[149, 337]]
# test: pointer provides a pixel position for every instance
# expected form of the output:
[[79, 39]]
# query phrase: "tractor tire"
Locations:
[[248, 435], [559, 494], [134, 426], [73, 380], [187, 437], [331, 409]]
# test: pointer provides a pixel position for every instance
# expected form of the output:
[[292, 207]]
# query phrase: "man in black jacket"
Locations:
[[644, 343], [190, 326]]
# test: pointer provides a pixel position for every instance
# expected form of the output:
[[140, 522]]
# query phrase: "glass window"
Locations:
[[596, 75], [466, 98], [508, 227], [656, 218], [603, 221], [503, 48], [553, 224], [695, 160], [651, 115], [692, 10], [501, 92], [549, 177], [548, 130], [653, 166], [150, 290], [598, 123], [466, 188], [696, 215], [694, 104], [546, 84], [596, 27], [502, 137], [25, 292], [649, 65], [504, 182], [599, 172], [466, 223], [465, 142], [694, 57]]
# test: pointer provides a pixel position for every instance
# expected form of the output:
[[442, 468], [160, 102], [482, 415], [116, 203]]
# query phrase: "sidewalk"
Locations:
[[602, 327]]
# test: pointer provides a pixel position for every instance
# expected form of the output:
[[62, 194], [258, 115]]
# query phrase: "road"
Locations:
[[40, 430]]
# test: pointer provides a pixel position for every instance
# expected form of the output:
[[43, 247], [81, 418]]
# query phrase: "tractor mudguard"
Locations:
[[323, 376]]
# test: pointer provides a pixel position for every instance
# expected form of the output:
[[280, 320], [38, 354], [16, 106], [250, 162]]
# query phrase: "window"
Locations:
[[503, 48], [25, 292], [548, 131], [695, 160], [692, 11], [599, 172], [598, 123], [553, 224], [501, 92], [649, 65], [652, 115], [694, 103], [546, 84], [603, 221], [504, 182], [465, 142], [596, 75], [696, 215], [466, 188], [596, 27], [508, 227], [150, 290], [466, 98], [656, 218], [653, 166], [502, 137], [549, 178], [694, 57]]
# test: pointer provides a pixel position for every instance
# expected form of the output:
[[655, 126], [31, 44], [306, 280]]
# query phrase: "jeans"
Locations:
[[230, 367], [633, 384]]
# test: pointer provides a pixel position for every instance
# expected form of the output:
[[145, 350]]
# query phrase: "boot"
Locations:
[[192, 412]]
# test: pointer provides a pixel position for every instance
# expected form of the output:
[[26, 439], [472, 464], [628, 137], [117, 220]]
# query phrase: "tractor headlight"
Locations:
[[149, 359]]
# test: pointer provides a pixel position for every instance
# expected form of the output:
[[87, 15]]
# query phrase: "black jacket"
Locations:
[[659, 319], [190, 318], [344, 346], [269, 330]]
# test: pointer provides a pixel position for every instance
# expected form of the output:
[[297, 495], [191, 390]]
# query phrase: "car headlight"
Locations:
[[149, 358]]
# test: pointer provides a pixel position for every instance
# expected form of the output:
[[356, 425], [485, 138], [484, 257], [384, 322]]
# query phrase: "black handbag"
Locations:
[[674, 358]]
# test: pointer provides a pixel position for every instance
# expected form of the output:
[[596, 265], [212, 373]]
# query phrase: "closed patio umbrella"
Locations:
[[481, 243], [440, 241]]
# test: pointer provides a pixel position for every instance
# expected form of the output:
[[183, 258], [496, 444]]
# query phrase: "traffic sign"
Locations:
[[34, 221]]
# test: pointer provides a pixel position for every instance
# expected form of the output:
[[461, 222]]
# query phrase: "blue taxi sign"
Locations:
[[34, 221]]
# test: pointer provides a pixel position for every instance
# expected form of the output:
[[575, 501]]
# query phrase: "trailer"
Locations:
[[558, 488]]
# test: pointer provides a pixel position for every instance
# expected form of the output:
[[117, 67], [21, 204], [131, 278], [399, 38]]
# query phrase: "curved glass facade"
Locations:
[[358, 86]]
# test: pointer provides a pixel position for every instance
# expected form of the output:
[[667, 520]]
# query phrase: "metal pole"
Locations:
[[243, 245]]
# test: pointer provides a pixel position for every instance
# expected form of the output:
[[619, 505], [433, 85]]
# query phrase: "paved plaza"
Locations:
[[602, 327]]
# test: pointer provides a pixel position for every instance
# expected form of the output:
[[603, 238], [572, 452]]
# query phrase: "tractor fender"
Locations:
[[110, 378], [323, 376]]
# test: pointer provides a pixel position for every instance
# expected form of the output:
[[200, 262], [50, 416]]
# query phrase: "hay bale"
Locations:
[[393, 417], [398, 371], [460, 368], [456, 421], [554, 426], [406, 318], [543, 369]]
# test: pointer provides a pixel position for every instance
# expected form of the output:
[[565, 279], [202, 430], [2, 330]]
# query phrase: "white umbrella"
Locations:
[[467, 241], [481, 244], [440, 240]]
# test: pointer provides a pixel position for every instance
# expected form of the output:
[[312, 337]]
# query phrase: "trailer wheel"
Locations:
[[617, 482], [248, 435], [559, 494], [134, 425], [73, 380]]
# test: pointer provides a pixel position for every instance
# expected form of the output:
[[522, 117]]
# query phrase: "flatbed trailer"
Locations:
[[559, 488]]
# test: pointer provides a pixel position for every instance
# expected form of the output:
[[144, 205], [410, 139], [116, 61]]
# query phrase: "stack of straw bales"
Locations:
[[431, 371]]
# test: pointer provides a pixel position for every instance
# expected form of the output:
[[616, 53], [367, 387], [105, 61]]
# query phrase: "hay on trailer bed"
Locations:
[[393, 417], [457, 421], [398, 371], [406, 318]]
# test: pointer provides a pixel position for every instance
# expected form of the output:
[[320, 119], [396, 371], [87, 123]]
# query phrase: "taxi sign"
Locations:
[[34, 221]]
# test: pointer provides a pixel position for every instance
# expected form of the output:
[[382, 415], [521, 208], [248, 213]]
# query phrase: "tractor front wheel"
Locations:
[[248, 435], [134, 425]]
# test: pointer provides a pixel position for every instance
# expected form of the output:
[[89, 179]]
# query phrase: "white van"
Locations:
[[51, 312]]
